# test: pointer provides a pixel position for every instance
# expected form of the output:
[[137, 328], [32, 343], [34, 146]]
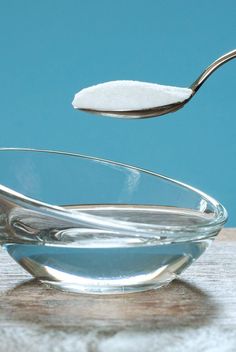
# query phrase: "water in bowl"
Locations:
[[98, 261]]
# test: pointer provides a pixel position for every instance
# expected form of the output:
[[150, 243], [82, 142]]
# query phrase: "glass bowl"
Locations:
[[84, 224]]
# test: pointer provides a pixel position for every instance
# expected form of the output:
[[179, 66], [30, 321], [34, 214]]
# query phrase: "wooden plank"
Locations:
[[201, 306]]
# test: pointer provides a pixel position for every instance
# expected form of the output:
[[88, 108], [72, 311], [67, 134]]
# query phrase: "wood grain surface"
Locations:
[[196, 312]]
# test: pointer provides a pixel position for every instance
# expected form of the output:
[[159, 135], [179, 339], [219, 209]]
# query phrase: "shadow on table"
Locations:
[[178, 305]]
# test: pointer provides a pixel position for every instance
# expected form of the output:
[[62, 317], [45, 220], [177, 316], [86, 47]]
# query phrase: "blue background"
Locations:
[[50, 49]]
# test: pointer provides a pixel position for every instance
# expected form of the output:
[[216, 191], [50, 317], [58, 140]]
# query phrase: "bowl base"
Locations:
[[105, 290]]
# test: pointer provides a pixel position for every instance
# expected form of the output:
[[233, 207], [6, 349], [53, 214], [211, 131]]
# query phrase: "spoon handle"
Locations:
[[210, 69]]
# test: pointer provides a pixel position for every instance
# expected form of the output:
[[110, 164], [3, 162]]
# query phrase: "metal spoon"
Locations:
[[153, 111]]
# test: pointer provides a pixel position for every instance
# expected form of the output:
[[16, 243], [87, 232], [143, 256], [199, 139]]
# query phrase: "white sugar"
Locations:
[[128, 95]]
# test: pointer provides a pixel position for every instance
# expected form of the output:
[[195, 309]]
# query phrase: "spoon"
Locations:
[[133, 99]]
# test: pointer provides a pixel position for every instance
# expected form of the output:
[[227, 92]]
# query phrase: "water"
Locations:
[[84, 260]]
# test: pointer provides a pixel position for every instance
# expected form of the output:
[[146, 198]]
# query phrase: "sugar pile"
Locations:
[[128, 95]]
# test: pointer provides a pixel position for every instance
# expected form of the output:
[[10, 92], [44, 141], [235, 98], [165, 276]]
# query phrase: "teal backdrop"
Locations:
[[50, 49]]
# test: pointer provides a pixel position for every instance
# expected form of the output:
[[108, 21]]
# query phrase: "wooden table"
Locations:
[[195, 313]]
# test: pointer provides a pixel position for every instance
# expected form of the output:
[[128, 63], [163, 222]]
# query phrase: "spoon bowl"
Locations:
[[140, 114], [150, 109]]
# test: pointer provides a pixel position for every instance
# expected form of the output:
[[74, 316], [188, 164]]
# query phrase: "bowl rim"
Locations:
[[217, 222]]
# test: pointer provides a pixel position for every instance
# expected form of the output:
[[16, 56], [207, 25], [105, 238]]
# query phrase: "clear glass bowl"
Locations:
[[84, 224]]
